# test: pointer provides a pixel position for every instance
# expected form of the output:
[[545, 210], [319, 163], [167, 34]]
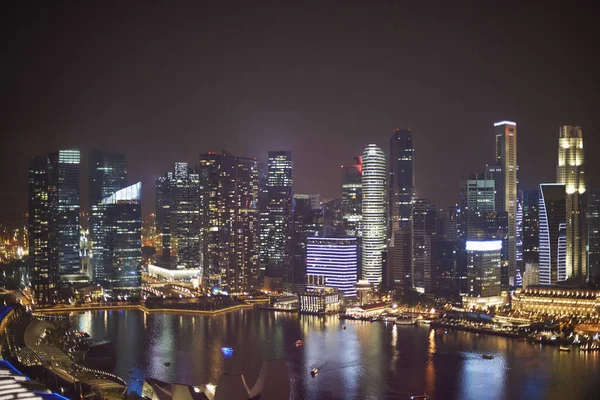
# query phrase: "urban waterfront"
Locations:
[[365, 361]]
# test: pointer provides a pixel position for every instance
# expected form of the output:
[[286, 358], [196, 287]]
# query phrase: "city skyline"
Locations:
[[158, 117]]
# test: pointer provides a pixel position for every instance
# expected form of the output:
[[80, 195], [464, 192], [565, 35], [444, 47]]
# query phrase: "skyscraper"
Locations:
[[374, 224], [278, 227], [307, 224], [477, 199], [506, 158], [178, 219], [118, 239], [483, 266], [570, 172], [552, 233], [352, 197], [230, 189], [64, 205], [425, 246], [593, 225], [402, 179], [44, 276], [332, 263], [530, 229]]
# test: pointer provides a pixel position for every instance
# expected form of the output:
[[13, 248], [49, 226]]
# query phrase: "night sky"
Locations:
[[163, 83]]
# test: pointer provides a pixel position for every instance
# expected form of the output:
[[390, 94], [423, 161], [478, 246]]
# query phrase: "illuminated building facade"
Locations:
[[352, 197], [530, 232], [483, 267], [557, 300], [571, 173], [44, 276], [332, 263], [118, 239], [477, 199], [552, 233], [178, 218], [64, 204], [277, 233], [230, 190], [424, 246], [593, 225], [320, 301], [374, 220], [402, 179], [506, 158]]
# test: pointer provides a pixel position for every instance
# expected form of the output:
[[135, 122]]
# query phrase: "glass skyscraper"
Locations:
[[424, 246], [352, 197], [332, 263], [552, 233], [593, 225], [374, 219], [402, 179], [483, 267], [571, 173]]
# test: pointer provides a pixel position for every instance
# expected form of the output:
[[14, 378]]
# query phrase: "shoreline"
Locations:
[[65, 310]]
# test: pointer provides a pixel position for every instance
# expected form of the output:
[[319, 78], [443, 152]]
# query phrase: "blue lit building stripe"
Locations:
[[332, 263]]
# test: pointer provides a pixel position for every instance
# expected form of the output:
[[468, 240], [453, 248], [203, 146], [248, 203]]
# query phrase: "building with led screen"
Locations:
[[332, 263]]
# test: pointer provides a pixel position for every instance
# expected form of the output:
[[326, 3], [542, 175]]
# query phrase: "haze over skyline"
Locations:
[[163, 84]]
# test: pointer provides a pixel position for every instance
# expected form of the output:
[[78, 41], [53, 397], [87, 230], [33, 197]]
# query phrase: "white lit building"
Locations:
[[484, 260]]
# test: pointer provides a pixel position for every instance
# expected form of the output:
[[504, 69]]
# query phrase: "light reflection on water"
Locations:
[[364, 361]]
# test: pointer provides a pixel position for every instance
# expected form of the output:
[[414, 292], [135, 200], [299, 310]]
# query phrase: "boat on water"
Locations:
[[442, 332], [344, 326], [424, 321], [299, 342], [487, 356], [564, 348], [420, 396], [405, 321], [314, 371]]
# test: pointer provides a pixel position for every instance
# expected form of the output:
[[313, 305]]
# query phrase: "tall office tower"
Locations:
[[352, 197], [44, 276], [402, 179], [483, 266], [552, 233], [530, 227], [278, 228], [263, 201], [400, 259], [118, 239], [449, 255], [230, 186], [593, 225], [477, 199], [333, 223], [374, 220], [571, 173], [424, 246], [64, 205], [307, 224], [506, 158], [332, 263], [107, 176], [178, 219], [519, 221]]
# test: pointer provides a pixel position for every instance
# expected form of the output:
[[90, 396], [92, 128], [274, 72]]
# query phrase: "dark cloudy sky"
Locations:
[[165, 81]]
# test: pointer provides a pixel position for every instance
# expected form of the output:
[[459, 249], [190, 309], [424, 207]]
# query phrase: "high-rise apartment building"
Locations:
[[506, 159], [118, 239], [64, 205], [552, 218], [374, 219], [352, 197], [44, 276], [593, 226], [277, 235], [571, 173], [332, 263], [178, 218], [230, 192], [425, 246]]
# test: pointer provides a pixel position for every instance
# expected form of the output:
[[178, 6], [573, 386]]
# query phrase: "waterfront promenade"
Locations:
[[101, 307]]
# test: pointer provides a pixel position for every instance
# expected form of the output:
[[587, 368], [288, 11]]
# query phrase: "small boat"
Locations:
[[487, 357], [424, 321], [167, 364], [441, 332], [344, 326], [420, 396], [314, 371], [405, 321], [299, 342], [563, 348]]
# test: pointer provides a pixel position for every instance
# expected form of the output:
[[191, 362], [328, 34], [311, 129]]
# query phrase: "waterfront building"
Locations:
[[277, 236], [366, 311], [43, 274], [352, 198], [593, 225], [230, 214], [506, 187], [364, 292], [64, 205], [424, 246], [483, 267], [374, 223], [320, 301], [184, 275], [178, 218], [552, 233], [570, 172], [307, 224], [557, 300], [118, 239], [332, 263]]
